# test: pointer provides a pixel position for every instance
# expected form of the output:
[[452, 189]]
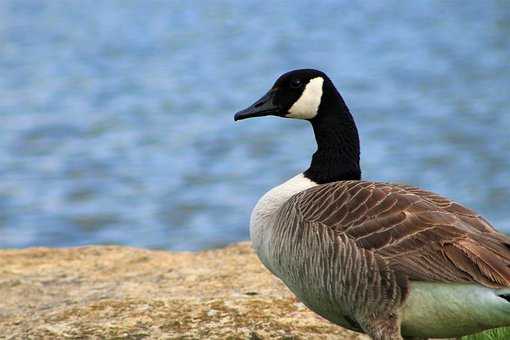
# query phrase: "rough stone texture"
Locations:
[[118, 292]]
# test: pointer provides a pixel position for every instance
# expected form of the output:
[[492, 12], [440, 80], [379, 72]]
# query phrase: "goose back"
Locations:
[[419, 234]]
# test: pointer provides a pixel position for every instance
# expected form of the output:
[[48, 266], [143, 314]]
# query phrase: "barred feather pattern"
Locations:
[[331, 274], [348, 249]]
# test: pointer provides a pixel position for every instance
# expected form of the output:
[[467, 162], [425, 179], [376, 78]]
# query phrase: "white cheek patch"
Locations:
[[307, 105]]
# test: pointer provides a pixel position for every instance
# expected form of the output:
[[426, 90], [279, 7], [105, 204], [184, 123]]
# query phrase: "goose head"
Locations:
[[310, 95], [296, 94]]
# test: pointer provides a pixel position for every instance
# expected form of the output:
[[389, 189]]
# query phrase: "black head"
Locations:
[[309, 94], [296, 94]]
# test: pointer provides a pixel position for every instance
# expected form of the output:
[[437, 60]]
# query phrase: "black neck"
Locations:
[[337, 155]]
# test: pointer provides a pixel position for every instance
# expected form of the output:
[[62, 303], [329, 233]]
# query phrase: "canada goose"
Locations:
[[389, 260]]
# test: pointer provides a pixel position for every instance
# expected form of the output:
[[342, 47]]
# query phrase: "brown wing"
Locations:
[[420, 234]]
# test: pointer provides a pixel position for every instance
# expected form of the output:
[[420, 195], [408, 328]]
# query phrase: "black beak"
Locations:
[[263, 107]]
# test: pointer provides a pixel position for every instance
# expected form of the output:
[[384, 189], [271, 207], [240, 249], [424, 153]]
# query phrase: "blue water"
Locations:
[[116, 116]]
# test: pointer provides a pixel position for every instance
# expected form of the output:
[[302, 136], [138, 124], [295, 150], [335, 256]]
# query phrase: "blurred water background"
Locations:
[[116, 117]]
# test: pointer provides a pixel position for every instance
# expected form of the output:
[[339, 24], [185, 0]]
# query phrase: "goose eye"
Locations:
[[296, 83]]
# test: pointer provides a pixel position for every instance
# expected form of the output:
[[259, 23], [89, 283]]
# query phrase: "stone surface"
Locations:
[[119, 292]]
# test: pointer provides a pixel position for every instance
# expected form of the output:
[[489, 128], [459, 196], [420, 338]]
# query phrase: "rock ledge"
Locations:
[[120, 292]]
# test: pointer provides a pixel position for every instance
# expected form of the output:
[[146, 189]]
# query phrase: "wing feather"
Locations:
[[420, 234]]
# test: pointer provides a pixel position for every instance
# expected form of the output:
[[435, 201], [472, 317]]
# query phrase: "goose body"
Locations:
[[389, 260], [431, 309]]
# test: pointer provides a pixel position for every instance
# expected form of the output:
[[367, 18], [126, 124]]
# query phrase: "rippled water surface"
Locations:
[[116, 116]]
